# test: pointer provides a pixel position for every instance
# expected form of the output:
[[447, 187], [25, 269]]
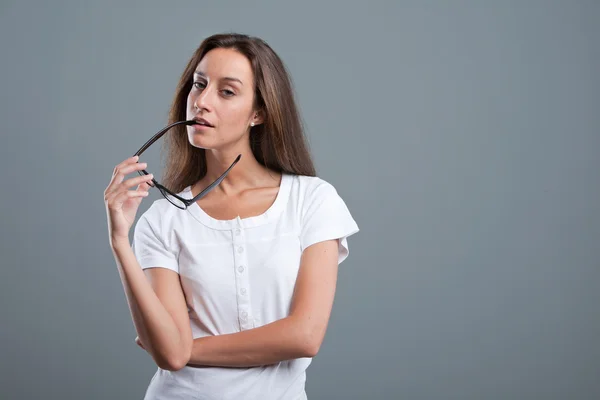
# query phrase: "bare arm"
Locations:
[[155, 297], [158, 308], [298, 335], [268, 344]]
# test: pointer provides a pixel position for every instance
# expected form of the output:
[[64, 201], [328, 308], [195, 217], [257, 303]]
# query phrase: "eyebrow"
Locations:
[[226, 78]]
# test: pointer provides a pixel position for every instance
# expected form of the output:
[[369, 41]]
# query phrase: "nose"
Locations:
[[203, 100]]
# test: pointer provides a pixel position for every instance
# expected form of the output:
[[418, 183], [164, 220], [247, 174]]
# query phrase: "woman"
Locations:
[[231, 297]]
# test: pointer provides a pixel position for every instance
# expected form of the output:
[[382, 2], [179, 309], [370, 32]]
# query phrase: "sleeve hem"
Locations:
[[158, 263], [343, 235]]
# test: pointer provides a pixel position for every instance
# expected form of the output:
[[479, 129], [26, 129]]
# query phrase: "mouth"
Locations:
[[203, 122]]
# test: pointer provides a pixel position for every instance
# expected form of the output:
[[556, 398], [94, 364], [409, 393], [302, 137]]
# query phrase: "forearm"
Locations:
[[278, 341], [154, 325]]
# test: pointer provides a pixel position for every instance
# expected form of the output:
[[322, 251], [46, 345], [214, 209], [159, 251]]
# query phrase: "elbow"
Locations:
[[173, 362], [310, 338], [175, 359], [311, 350], [176, 366], [311, 343]]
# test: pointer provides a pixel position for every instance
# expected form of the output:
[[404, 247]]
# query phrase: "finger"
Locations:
[[144, 186], [119, 176], [129, 183], [127, 169], [128, 161], [139, 342], [121, 197]]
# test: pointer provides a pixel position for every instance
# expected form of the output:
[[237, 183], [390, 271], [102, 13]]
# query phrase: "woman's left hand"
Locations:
[[139, 342]]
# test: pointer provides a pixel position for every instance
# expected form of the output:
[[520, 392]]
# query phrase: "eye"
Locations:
[[228, 92], [199, 85]]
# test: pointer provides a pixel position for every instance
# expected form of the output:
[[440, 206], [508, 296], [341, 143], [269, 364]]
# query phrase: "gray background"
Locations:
[[463, 135]]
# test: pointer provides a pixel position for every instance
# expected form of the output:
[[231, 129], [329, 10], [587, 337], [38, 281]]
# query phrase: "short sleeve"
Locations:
[[150, 248], [325, 216]]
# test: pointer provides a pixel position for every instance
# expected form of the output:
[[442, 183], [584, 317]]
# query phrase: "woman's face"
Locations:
[[222, 93]]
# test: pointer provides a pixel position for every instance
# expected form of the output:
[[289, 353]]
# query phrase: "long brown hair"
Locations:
[[278, 143]]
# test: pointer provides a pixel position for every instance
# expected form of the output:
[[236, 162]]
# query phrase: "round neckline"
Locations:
[[226, 224]]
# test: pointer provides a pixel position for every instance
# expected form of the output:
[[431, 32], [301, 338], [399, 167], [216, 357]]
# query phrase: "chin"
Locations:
[[203, 141], [199, 142]]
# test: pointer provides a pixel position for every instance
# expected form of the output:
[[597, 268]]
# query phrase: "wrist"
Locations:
[[119, 242]]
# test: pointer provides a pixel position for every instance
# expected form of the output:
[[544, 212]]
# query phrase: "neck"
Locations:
[[248, 173]]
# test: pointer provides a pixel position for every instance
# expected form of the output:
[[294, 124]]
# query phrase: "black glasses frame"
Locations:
[[166, 192]]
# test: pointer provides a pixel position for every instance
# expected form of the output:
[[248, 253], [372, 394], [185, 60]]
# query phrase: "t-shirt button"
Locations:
[[240, 249], [238, 231], [241, 268], [243, 290]]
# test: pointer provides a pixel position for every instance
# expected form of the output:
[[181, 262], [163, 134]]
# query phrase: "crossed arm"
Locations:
[[298, 335]]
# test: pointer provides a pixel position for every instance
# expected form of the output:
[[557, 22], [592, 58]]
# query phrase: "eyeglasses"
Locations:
[[173, 198]]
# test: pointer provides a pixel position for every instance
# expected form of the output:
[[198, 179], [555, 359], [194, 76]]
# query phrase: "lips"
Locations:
[[202, 121]]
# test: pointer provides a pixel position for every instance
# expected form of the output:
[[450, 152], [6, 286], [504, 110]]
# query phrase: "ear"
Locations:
[[258, 117]]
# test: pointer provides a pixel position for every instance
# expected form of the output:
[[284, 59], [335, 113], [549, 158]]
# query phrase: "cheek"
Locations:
[[235, 114], [189, 103]]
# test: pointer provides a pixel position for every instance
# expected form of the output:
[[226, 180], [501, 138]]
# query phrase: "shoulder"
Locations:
[[309, 187], [158, 214], [323, 214], [312, 192], [159, 224]]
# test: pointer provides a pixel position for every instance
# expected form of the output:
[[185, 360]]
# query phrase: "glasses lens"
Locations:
[[173, 200]]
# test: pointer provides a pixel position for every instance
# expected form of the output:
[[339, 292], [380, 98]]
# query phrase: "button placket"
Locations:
[[241, 276]]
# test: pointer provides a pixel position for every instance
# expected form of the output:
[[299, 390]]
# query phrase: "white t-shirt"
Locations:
[[240, 274]]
